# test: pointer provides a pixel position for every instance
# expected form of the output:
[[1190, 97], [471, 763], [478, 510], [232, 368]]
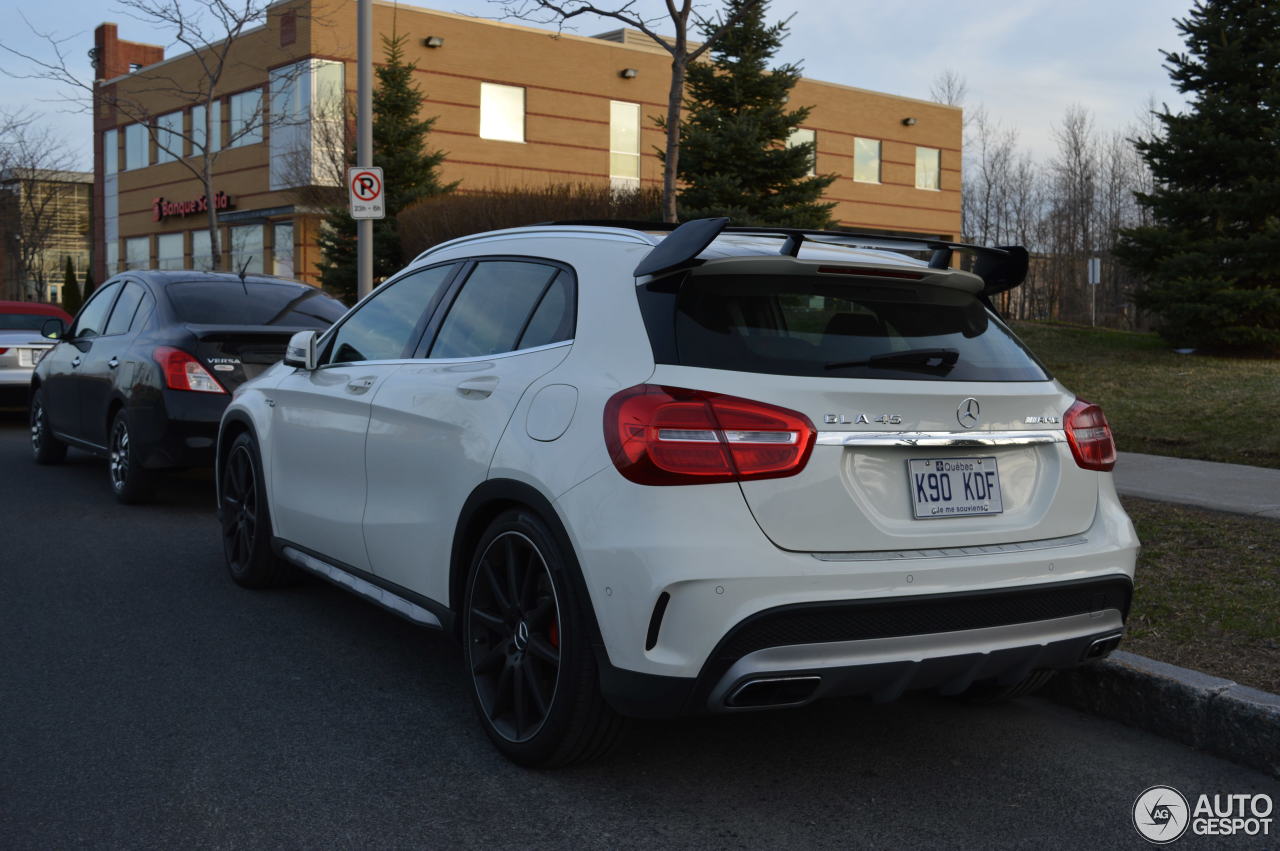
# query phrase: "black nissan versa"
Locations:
[[143, 375]]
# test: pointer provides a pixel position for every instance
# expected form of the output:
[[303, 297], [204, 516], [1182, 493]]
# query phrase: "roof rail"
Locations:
[[1000, 268]]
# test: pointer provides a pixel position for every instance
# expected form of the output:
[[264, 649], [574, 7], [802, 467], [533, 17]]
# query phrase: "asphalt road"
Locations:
[[146, 701]]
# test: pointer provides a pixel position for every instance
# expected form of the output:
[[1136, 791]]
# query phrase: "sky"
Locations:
[[1024, 61]]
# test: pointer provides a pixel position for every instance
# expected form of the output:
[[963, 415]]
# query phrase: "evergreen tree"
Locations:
[[399, 147], [734, 159], [1211, 261], [71, 298], [87, 288]]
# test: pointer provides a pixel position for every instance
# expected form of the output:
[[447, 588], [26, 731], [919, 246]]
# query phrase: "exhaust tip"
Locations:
[[1102, 647], [774, 691]]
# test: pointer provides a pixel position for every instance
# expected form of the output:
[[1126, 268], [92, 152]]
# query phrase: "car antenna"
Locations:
[[244, 266]]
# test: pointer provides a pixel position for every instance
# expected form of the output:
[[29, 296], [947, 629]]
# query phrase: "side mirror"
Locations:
[[301, 351], [52, 329]]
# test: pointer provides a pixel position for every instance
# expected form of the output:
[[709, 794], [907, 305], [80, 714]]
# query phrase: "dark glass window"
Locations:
[[552, 320], [809, 325], [93, 317], [388, 326], [26, 321], [228, 302], [126, 306], [491, 313]]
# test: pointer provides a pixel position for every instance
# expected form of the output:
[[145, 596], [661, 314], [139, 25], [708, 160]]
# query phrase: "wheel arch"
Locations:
[[485, 503]]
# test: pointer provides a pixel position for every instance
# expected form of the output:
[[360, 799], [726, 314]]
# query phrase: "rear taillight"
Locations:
[[3, 350], [671, 436], [183, 372], [1089, 436]]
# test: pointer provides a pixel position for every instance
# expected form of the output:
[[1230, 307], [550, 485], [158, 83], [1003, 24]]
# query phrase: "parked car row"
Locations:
[[636, 471], [27, 331]]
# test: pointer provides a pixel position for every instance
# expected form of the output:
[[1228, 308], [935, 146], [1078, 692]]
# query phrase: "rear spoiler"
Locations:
[[1000, 268]]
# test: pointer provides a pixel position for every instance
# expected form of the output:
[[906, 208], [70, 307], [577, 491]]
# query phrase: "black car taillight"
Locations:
[[183, 372]]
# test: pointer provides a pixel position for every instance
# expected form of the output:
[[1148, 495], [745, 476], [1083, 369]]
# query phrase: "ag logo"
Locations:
[[1161, 814]]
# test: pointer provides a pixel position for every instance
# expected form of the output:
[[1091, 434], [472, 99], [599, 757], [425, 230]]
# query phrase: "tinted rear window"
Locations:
[[808, 325], [24, 321], [255, 303]]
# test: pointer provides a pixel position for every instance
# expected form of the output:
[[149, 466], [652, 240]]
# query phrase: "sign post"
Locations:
[[1095, 278], [365, 192], [364, 141]]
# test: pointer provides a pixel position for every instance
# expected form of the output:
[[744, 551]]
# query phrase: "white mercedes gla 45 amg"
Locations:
[[640, 471]]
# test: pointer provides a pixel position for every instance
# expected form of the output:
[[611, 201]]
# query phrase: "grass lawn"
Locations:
[[1207, 594], [1159, 402]]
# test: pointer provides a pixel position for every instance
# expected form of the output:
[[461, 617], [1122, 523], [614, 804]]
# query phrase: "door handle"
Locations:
[[75, 361], [114, 362], [360, 385], [478, 388]]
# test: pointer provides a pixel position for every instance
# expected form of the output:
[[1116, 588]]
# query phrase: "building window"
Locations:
[[169, 251], [113, 257], [501, 112], [928, 168], [169, 137], [110, 152], [201, 251], [137, 252], [244, 126], [307, 124], [282, 249], [198, 128], [246, 249], [803, 136], [624, 144], [866, 160], [135, 146]]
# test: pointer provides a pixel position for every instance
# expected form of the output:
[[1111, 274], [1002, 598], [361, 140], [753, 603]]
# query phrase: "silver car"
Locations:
[[24, 338]]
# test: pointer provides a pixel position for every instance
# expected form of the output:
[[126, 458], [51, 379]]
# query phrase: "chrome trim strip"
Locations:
[[813, 658], [939, 438], [955, 552], [443, 361], [371, 592]]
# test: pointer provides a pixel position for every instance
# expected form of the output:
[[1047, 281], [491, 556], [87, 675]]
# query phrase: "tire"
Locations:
[[45, 448], [527, 646], [130, 483], [985, 694], [246, 520]]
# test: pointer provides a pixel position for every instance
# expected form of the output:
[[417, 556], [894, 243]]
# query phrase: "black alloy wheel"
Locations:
[[514, 628], [246, 520], [526, 633], [130, 483], [45, 448], [239, 508]]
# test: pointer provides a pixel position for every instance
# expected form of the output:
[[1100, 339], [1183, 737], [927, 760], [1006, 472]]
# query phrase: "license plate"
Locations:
[[954, 487], [29, 357]]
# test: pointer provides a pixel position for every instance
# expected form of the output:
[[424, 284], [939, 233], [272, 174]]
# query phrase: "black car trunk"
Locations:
[[235, 353]]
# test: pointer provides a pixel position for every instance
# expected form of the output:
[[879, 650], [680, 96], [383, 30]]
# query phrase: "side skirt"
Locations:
[[413, 607]]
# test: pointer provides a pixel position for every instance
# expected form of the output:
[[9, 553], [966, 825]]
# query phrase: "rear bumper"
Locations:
[[796, 654], [181, 430]]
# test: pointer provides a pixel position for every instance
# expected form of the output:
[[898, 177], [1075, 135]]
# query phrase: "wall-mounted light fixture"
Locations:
[[908, 122], [628, 73], [433, 41]]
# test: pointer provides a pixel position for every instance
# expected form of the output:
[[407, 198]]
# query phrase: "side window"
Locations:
[[387, 326], [552, 319], [494, 311], [93, 317], [126, 307]]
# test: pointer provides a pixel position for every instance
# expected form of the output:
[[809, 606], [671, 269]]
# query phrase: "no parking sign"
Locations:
[[365, 191]]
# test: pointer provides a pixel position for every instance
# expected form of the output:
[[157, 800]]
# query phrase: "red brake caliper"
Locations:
[[554, 634]]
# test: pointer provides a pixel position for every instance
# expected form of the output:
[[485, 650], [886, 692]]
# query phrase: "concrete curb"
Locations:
[[1209, 713]]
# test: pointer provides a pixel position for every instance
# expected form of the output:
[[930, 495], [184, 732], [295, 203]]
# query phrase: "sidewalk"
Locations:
[[1207, 484]]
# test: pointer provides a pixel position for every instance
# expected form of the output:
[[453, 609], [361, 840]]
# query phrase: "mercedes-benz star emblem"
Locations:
[[969, 412], [522, 635]]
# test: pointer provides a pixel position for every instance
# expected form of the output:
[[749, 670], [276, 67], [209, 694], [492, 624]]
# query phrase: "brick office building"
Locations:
[[515, 105]]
